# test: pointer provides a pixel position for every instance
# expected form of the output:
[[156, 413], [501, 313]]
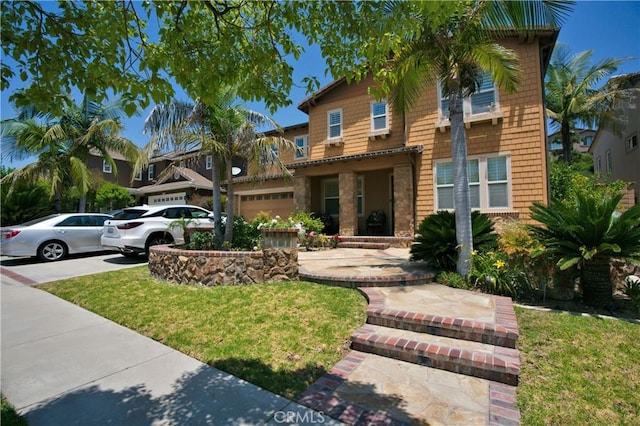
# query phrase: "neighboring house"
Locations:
[[617, 156], [358, 157], [583, 138]]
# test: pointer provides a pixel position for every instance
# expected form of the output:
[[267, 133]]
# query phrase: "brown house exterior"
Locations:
[[362, 157], [358, 159]]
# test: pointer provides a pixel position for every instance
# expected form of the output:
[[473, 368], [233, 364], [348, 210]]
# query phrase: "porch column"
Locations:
[[404, 203], [301, 194], [348, 203]]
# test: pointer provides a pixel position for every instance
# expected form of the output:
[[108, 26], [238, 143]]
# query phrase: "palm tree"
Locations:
[[456, 44], [572, 97], [225, 130], [63, 144], [588, 233]]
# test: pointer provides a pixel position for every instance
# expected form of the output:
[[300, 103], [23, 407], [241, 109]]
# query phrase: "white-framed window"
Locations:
[[334, 124], [302, 146], [631, 142], [360, 189], [138, 175], [151, 172], [331, 196], [483, 101], [609, 165], [587, 141], [598, 164], [208, 162], [489, 183], [106, 167], [379, 116]]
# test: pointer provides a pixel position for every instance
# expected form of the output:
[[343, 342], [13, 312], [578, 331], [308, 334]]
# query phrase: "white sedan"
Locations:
[[53, 237]]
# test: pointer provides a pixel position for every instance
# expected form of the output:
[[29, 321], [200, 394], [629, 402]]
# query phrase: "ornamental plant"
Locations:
[[491, 273]]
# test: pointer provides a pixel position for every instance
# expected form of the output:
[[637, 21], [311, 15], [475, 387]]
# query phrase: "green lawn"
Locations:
[[575, 370], [281, 336], [578, 370]]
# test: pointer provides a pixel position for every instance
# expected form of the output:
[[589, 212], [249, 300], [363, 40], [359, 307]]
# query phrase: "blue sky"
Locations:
[[609, 28]]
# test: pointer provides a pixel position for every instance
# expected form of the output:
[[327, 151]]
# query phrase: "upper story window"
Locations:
[[587, 140], [106, 167], [334, 124], [489, 182], [609, 165], [274, 149], [598, 165], [481, 105], [138, 176], [208, 162], [151, 172], [379, 116], [302, 147], [632, 142]]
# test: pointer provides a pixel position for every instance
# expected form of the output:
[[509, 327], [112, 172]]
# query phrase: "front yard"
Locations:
[[282, 337]]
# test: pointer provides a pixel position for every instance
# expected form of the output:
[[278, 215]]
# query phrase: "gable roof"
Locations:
[[192, 179]]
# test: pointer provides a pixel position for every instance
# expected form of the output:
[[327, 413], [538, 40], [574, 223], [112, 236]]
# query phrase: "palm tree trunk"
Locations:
[[216, 200], [228, 235], [464, 235], [82, 203], [57, 201], [595, 280], [567, 146]]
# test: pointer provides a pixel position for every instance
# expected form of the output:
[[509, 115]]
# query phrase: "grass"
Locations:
[[578, 370], [9, 416], [280, 336]]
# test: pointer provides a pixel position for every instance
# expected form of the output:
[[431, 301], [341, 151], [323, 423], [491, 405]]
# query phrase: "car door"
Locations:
[[81, 233]]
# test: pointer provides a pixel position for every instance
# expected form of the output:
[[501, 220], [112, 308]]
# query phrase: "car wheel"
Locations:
[[158, 239], [51, 251]]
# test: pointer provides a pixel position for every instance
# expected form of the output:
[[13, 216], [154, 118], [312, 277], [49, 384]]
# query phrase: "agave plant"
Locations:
[[436, 240], [587, 234]]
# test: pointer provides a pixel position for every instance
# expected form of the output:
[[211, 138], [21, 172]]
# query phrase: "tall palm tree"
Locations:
[[573, 98], [455, 45], [63, 144], [225, 130]]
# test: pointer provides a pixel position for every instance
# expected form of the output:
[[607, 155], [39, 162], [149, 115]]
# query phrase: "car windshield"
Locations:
[[40, 219], [128, 214]]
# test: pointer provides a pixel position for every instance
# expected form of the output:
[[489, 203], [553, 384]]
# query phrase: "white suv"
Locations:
[[135, 229]]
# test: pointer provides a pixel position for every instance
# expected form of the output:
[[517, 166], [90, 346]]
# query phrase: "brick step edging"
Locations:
[[364, 245], [368, 281], [502, 366]]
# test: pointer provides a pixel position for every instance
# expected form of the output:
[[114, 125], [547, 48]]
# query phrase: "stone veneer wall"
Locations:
[[211, 268]]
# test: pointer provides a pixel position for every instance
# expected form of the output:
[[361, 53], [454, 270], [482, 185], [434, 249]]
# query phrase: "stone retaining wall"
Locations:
[[212, 268]]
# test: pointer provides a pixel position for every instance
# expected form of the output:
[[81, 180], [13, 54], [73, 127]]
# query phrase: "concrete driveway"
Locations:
[[31, 271]]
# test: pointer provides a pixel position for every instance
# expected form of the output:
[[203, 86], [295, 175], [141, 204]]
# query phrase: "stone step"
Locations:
[[401, 242], [466, 357], [457, 328], [364, 245]]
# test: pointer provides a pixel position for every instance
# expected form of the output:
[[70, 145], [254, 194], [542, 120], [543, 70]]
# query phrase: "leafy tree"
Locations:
[[225, 130], [573, 98], [63, 145], [25, 202], [455, 44], [588, 233], [113, 196]]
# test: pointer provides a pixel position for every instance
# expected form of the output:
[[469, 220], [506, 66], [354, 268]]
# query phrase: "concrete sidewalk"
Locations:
[[63, 365]]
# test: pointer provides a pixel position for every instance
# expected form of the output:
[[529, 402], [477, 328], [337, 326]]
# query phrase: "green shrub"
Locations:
[[452, 279], [436, 240], [202, 240], [491, 272], [308, 221], [632, 289], [246, 236]]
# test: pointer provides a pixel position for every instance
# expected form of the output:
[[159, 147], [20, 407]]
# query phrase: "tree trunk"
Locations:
[[82, 203], [567, 145], [595, 280], [464, 235], [57, 201], [228, 234], [217, 200]]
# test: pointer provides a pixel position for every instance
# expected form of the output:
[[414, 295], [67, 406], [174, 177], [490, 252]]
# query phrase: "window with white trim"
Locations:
[[106, 167], [151, 172], [331, 196], [609, 165], [488, 183], [484, 100], [379, 116], [208, 162], [334, 124], [598, 164], [360, 189], [302, 146], [631, 142], [138, 175]]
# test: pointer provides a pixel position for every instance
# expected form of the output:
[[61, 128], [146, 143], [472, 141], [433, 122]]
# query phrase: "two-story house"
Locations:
[[617, 155], [357, 155]]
